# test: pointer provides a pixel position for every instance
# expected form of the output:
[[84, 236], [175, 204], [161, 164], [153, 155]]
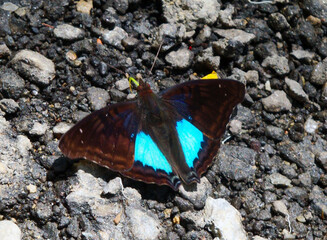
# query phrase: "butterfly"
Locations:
[[164, 139]]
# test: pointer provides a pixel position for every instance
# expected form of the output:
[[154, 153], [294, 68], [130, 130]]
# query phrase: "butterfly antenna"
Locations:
[[130, 80], [156, 57]]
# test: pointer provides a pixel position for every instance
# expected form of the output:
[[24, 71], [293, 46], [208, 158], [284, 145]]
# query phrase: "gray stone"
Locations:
[[43, 211], [122, 84], [8, 6], [322, 159], [317, 8], [278, 22], [225, 16], [117, 95], [130, 43], [9, 231], [191, 13], [39, 129], [97, 97], [311, 126], [278, 63], [305, 179], [318, 201], [279, 180], [280, 207], [302, 54], [199, 195], [9, 106], [252, 76], [61, 128], [319, 73], [113, 187], [277, 102], [143, 225], [295, 90], [236, 163], [34, 66], [68, 32], [180, 59], [235, 126], [11, 85], [235, 35], [275, 133], [222, 220], [114, 37], [207, 60], [4, 51], [203, 35]]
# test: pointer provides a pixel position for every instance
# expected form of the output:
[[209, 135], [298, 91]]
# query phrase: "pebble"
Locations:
[[97, 97], [296, 91], [222, 219], [235, 126], [278, 22], [236, 163], [252, 76], [84, 6], [275, 133], [191, 13], [39, 129], [311, 126], [9, 106], [11, 85], [318, 201], [280, 207], [226, 16], [9, 231], [322, 159], [122, 84], [31, 188], [180, 59], [143, 225], [279, 180], [114, 37], [278, 63], [34, 66], [319, 73], [117, 95], [8, 6], [207, 60], [199, 195], [277, 102], [23, 145], [113, 187], [4, 51], [68, 32], [61, 128], [303, 55], [235, 35], [317, 8]]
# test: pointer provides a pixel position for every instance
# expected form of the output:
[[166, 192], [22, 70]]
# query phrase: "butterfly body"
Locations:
[[162, 139]]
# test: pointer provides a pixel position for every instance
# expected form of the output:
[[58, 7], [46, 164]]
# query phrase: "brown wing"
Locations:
[[106, 137], [207, 104]]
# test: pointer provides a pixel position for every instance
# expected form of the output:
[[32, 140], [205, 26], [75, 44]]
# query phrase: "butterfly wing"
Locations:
[[207, 106], [106, 137]]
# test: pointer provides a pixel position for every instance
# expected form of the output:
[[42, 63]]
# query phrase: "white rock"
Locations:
[[9, 231]]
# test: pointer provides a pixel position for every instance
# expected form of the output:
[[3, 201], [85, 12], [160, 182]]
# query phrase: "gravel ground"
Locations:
[[57, 61]]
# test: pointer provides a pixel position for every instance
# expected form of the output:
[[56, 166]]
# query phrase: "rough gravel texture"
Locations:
[[58, 62]]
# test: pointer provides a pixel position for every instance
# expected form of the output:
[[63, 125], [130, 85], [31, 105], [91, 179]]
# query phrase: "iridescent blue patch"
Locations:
[[148, 153], [190, 138]]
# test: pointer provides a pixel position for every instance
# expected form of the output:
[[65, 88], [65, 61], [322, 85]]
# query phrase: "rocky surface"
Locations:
[[59, 61]]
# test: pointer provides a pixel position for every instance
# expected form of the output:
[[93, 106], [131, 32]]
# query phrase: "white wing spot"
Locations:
[[82, 141], [81, 130], [219, 85], [106, 114]]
